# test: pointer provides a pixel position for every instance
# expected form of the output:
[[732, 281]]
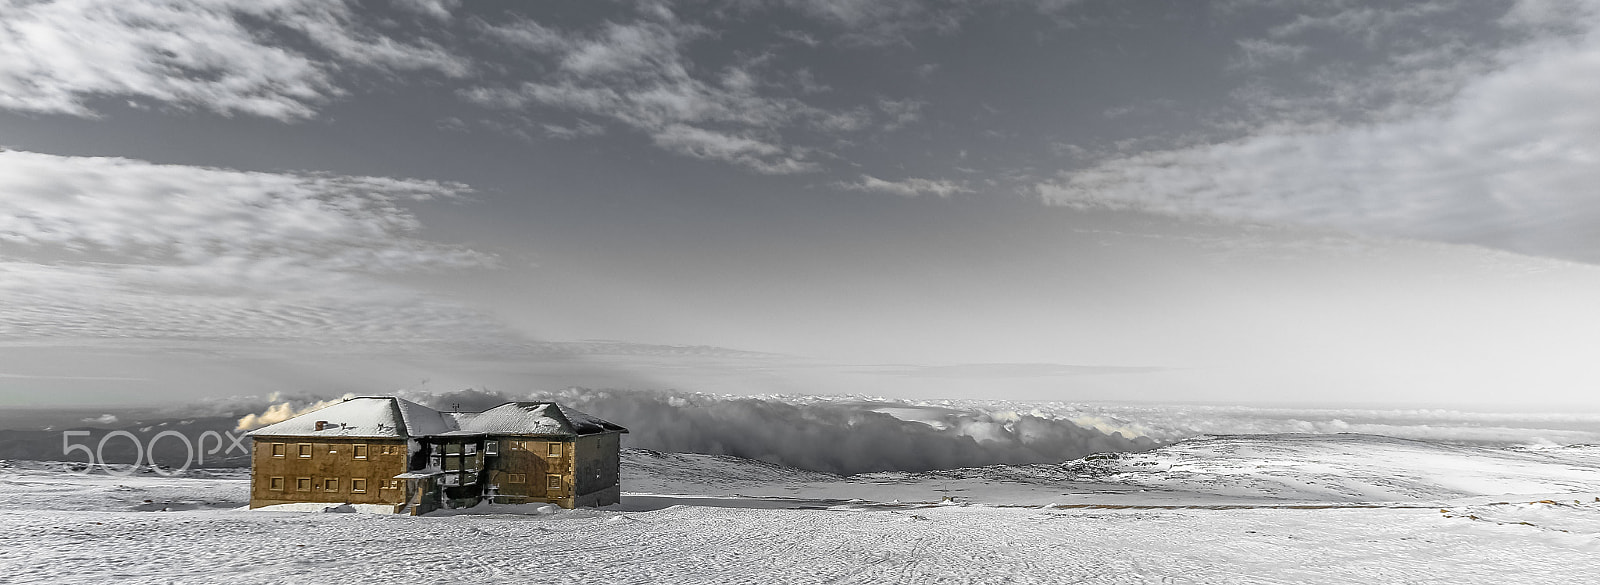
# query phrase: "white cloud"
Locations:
[[621, 48], [1338, 62], [846, 121], [883, 22], [637, 73], [49, 377], [223, 56], [120, 249], [582, 128], [1176, 422], [750, 152], [1509, 161], [194, 214], [436, 9], [224, 305], [900, 112], [1263, 53], [910, 187]]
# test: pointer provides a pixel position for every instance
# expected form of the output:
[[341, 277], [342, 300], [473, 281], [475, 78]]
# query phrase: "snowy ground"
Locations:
[[1273, 509]]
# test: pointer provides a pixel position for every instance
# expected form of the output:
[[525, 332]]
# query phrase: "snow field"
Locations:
[[693, 544], [1256, 509]]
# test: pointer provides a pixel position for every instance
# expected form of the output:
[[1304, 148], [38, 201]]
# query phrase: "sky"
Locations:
[[1245, 201]]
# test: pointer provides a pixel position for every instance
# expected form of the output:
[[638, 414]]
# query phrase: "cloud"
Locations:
[[1508, 162], [198, 214], [238, 302], [841, 438], [910, 187], [48, 377], [625, 348], [1355, 62], [1166, 423], [884, 22], [637, 73], [901, 113], [583, 128], [104, 419], [229, 56], [437, 9], [122, 249], [750, 152], [1174, 422], [1263, 53], [989, 371]]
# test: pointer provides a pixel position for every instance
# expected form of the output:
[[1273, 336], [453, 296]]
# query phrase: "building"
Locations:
[[390, 451]]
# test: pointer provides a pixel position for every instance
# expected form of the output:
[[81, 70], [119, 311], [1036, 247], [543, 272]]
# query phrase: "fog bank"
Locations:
[[844, 438]]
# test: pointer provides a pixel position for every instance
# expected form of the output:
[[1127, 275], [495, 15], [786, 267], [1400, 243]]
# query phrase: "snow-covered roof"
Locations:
[[584, 423], [390, 417], [533, 418], [421, 420], [365, 416]]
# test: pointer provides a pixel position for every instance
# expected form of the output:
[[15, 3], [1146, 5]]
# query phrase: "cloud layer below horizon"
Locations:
[[848, 435]]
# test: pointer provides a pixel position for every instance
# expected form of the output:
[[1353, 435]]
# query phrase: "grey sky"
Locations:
[[1261, 200]]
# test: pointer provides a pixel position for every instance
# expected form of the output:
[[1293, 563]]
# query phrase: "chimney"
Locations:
[[321, 424]]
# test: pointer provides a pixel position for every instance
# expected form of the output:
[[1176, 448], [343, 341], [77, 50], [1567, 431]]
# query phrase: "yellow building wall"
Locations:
[[288, 470]]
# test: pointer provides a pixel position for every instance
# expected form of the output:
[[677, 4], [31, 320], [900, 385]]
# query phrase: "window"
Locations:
[[516, 478], [333, 449], [360, 451], [305, 449], [302, 484], [452, 464], [394, 484], [358, 486], [330, 485], [275, 484], [452, 449], [491, 447], [554, 450], [553, 482], [277, 449]]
